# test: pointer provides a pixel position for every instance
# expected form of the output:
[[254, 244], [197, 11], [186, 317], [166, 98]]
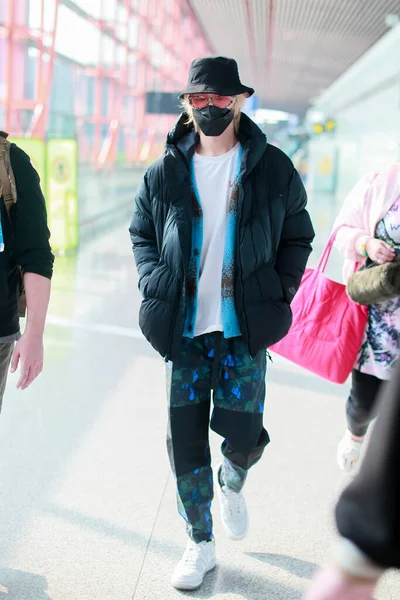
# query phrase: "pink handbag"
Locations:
[[327, 328]]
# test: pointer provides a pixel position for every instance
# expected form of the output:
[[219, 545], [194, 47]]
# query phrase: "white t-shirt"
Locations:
[[214, 179]]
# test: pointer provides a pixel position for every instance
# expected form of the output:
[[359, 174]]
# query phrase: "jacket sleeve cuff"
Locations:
[[44, 271], [361, 244], [352, 560]]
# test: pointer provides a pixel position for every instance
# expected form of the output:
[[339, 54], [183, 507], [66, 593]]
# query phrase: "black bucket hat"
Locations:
[[215, 75]]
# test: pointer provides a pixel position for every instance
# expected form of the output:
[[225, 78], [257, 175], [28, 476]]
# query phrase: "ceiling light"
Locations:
[[392, 20]]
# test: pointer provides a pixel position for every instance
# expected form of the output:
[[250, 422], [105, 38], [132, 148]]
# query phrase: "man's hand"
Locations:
[[334, 584], [28, 353]]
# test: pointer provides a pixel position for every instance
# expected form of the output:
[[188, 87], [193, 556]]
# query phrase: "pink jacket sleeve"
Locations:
[[353, 219]]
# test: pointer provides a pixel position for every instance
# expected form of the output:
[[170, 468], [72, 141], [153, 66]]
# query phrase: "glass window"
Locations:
[[121, 55], [92, 7], [35, 15], [109, 10], [82, 47], [122, 23], [133, 33], [108, 51]]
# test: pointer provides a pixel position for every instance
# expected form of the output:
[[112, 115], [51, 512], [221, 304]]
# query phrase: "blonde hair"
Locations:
[[239, 103]]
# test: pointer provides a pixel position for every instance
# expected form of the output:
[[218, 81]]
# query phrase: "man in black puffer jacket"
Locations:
[[221, 239]]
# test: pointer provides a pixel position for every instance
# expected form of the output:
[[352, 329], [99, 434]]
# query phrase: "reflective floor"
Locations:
[[87, 507]]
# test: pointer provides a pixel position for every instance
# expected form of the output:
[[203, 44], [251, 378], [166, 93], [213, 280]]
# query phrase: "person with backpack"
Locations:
[[221, 238], [26, 266]]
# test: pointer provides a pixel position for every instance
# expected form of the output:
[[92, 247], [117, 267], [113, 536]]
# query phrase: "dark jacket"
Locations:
[[274, 235], [26, 239], [368, 513]]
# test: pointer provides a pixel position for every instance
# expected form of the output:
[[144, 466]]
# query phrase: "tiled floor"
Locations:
[[87, 507]]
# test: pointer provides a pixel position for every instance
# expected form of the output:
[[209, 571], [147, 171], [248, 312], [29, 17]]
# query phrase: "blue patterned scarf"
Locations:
[[230, 321], [1, 235]]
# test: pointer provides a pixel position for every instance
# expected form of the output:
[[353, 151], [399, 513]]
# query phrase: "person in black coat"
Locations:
[[221, 239], [368, 512], [25, 257]]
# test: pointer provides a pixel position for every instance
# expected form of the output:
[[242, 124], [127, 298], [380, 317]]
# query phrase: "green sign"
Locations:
[[62, 194], [36, 150]]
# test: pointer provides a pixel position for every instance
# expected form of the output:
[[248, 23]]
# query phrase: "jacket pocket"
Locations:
[[269, 284], [268, 323], [280, 319], [155, 319], [156, 284]]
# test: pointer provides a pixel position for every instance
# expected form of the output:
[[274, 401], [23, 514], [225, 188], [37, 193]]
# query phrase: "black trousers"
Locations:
[[368, 512], [362, 403]]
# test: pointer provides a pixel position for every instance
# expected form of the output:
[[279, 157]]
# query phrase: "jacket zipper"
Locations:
[[167, 357], [239, 223]]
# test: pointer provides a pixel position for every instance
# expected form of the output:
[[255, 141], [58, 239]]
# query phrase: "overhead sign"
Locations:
[[328, 126], [163, 103]]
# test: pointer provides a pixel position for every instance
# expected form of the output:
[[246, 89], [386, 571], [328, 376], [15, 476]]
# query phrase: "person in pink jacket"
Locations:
[[369, 229]]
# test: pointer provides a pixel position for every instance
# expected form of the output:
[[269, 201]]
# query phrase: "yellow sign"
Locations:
[[318, 128], [330, 125], [36, 150], [62, 194], [61, 169], [325, 165]]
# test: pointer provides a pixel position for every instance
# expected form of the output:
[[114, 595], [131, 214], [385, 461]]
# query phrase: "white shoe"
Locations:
[[196, 562], [348, 453], [234, 515]]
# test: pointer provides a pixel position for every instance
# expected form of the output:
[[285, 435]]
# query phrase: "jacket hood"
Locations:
[[184, 138]]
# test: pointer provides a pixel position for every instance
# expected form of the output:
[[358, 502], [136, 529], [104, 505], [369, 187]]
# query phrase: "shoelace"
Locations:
[[193, 556], [234, 503]]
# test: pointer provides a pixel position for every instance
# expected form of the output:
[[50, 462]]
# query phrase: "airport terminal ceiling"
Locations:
[[292, 50]]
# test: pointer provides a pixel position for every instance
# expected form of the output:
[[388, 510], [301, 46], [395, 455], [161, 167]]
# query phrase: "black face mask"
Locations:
[[213, 120]]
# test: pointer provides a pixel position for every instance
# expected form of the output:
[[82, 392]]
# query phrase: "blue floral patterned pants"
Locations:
[[211, 366]]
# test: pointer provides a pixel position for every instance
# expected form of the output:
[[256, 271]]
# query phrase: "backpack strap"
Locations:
[[8, 188]]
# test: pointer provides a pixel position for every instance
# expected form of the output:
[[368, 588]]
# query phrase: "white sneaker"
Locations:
[[348, 453], [234, 515], [196, 562]]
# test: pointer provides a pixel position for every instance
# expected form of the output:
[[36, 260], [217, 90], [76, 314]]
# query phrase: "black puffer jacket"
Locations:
[[273, 240]]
